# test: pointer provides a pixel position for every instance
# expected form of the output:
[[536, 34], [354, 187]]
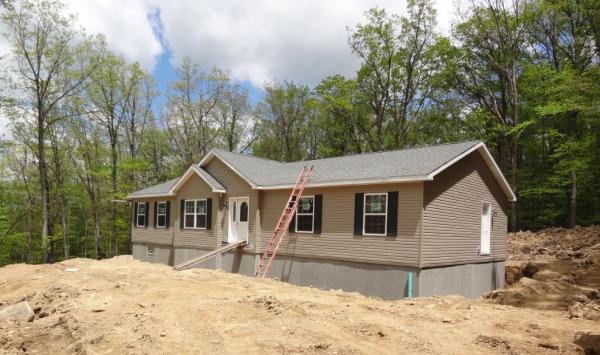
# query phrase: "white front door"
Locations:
[[486, 229], [239, 213]]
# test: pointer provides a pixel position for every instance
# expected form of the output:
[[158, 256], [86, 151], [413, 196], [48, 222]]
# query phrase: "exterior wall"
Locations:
[[337, 240], [236, 187], [469, 280], [195, 188], [156, 236], [182, 254], [453, 203]]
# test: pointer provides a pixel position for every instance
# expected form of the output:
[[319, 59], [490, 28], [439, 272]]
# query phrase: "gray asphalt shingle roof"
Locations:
[[156, 189], [210, 180], [407, 163]]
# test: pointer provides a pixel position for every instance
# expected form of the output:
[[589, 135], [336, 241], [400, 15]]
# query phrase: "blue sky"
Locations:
[[257, 41]]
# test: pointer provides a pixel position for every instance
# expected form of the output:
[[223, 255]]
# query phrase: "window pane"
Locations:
[[201, 206], [141, 220], [304, 223], [189, 221], [201, 221], [306, 205], [243, 212], [161, 221], [141, 208], [375, 203], [161, 208], [374, 224], [189, 206]]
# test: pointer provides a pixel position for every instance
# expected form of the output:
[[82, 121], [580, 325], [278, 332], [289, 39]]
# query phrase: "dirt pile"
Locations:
[[554, 269], [128, 307]]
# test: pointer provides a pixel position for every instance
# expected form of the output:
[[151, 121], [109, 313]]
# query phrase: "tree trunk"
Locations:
[[573, 200], [44, 187], [115, 246], [64, 229], [513, 183]]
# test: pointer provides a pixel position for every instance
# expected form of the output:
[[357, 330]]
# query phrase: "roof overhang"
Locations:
[[485, 154], [491, 163], [387, 180], [194, 169], [131, 197]]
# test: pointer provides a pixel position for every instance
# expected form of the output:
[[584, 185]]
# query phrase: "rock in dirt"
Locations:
[[589, 342], [493, 341], [546, 275], [20, 312], [533, 267]]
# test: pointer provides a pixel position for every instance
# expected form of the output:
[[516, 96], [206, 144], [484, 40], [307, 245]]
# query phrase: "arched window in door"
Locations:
[[244, 212]]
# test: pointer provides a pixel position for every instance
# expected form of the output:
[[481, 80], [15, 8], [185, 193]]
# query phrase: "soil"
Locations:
[[123, 306]]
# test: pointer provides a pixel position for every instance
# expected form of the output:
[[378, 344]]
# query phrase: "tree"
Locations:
[[191, 102], [43, 40], [234, 117]]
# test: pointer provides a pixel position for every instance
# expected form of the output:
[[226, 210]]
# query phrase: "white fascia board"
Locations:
[[416, 178], [212, 154], [188, 173], [131, 197], [489, 159]]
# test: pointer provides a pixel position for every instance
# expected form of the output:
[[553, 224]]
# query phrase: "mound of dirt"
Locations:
[[554, 269], [121, 306]]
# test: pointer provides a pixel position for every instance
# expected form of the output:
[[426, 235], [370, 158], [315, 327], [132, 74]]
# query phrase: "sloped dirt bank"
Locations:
[[122, 306]]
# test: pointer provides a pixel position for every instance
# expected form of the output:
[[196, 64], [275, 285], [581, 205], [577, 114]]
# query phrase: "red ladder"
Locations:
[[284, 222]]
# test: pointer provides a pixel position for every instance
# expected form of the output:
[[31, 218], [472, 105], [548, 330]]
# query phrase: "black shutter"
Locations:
[[135, 214], [292, 225], [208, 213], [358, 213], [181, 214], [147, 213], [155, 210], [168, 216], [318, 210], [392, 213]]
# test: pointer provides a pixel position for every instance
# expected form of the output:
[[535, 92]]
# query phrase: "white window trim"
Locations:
[[375, 214], [148, 253], [138, 214], [312, 229], [195, 214], [161, 214]]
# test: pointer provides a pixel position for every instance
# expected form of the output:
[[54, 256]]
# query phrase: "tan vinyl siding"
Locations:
[[161, 236], [195, 188], [337, 239], [453, 202], [236, 187]]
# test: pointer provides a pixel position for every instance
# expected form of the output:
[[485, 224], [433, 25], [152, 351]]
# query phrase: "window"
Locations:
[[150, 251], [375, 214], [305, 215], [195, 214], [244, 212], [161, 215], [141, 215], [486, 224]]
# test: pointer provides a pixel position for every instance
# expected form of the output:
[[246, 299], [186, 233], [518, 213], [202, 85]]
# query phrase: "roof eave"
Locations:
[[131, 197], [377, 181]]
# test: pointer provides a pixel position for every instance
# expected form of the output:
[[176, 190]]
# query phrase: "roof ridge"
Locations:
[[247, 155], [385, 151]]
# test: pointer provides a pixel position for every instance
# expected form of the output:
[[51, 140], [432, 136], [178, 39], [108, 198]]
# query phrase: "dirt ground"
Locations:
[[123, 306]]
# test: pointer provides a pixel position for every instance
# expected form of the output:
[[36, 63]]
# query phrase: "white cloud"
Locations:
[[126, 25], [264, 40]]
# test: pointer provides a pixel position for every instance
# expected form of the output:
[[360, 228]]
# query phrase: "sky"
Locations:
[[256, 41]]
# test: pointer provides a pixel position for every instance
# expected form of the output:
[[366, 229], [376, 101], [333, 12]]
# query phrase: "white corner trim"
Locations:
[[489, 160]]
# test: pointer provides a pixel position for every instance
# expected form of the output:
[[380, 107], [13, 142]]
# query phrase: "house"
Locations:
[[365, 222]]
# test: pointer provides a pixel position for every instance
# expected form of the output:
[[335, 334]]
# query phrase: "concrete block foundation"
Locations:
[[384, 281]]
